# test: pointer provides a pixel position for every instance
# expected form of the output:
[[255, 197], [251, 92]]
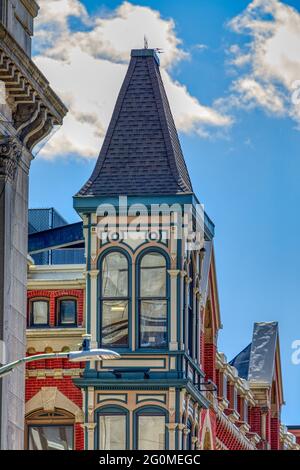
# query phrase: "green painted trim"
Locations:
[[137, 401], [151, 411], [113, 399], [112, 249], [134, 367], [137, 296], [111, 410]]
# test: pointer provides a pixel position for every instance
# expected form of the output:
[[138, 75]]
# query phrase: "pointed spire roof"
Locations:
[[141, 152]]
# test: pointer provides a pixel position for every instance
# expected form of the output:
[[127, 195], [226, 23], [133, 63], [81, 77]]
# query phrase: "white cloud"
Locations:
[[86, 67], [269, 64]]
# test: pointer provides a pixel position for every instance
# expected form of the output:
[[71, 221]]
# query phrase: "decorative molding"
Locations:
[[49, 398], [10, 155]]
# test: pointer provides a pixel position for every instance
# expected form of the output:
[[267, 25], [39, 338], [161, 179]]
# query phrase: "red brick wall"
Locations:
[[53, 295], [66, 386], [255, 419], [210, 361], [275, 433]]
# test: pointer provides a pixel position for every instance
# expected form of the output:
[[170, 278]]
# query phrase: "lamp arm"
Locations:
[[7, 368]]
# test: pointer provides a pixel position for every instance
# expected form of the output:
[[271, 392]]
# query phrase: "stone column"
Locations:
[[172, 428], [14, 168], [180, 428], [93, 306], [182, 293]]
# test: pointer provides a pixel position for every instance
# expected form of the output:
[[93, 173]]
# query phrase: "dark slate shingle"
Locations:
[[141, 152]]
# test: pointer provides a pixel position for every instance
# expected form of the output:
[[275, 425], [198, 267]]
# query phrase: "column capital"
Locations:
[[181, 426], [90, 426], [93, 272], [171, 426], [173, 272], [10, 155]]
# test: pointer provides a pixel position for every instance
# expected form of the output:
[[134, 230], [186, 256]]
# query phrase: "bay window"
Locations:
[[153, 301], [114, 300]]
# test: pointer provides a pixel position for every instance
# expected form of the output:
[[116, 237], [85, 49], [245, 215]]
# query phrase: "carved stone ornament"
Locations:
[[10, 155]]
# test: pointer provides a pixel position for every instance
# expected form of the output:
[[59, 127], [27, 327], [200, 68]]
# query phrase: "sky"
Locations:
[[232, 75]]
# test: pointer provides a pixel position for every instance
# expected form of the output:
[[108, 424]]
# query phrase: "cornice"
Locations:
[[31, 6]]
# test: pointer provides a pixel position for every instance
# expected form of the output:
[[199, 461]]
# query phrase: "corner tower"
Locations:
[[143, 282]]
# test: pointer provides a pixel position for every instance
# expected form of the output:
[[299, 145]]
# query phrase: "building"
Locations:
[[44, 219], [150, 295], [28, 111]]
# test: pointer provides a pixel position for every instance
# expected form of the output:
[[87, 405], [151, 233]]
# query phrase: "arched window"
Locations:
[[151, 429], [153, 301], [114, 300], [113, 428], [50, 430]]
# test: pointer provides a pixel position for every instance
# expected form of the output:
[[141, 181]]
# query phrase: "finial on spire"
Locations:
[[145, 42]]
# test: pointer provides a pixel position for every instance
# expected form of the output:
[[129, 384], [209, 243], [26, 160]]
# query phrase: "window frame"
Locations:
[[58, 312], [149, 411], [30, 307], [37, 419], [190, 309], [112, 410], [139, 299], [102, 299]]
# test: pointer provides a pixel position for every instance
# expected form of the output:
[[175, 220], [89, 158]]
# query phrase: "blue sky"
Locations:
[[246, 173]]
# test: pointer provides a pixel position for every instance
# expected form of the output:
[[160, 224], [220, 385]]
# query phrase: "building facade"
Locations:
[[28, 111], [149, 294]]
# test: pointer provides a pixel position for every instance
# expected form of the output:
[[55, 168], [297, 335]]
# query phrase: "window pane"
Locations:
[[151, 432], [115, 323], [112, 432], [153, 276], [115, 275], [40, 312], [153, 323], [50, 437], [67, 311]]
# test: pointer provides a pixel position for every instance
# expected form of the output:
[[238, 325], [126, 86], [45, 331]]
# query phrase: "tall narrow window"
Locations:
[[39, 312], [191, 331], [112, 431], [151, 431], [153, 301], [66, 312], [114, 300]]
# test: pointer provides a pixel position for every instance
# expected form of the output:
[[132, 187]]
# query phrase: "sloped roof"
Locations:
[[263, 350], [256, 362], [241, 362], [141, 152]]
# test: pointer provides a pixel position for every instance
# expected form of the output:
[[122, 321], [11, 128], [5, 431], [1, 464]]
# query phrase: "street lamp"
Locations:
[[85, 355]]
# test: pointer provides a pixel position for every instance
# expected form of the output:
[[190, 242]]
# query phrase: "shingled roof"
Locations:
[[141, 152]]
